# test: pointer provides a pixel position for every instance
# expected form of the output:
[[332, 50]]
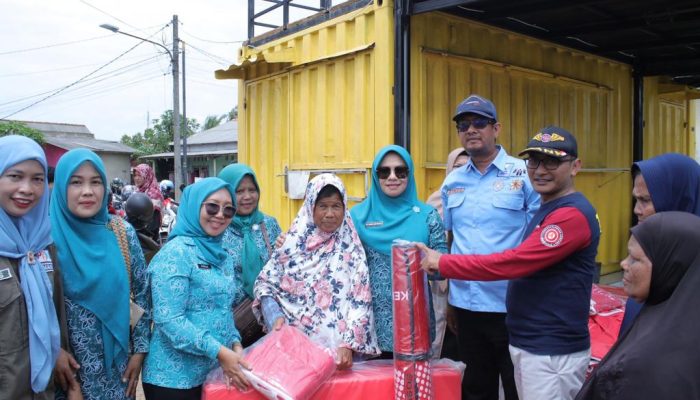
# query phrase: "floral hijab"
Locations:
[[150, 184], [321, 280]]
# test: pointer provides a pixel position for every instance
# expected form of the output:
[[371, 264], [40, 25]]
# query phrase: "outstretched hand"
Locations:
[[431, 258]]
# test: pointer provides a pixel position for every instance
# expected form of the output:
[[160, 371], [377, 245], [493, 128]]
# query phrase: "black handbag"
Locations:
[[246, 323]]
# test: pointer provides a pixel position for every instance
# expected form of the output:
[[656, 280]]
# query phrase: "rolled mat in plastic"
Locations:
[[412, 374]]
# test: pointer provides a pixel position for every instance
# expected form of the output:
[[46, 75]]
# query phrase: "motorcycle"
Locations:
[[169, 217]]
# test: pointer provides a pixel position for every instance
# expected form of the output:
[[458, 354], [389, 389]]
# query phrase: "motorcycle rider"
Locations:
[[139, 213]]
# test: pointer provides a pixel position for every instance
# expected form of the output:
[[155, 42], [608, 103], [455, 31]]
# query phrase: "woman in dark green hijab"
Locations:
[[249, 240]]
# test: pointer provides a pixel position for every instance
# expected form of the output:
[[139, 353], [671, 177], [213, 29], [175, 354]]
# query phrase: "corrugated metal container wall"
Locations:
[[533, 84], [329, 109], [321, 100], [666, 121]]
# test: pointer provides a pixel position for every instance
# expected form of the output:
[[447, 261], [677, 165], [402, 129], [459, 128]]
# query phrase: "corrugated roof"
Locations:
[[73, 136], [97, 145], [193, 154], [224, 133], [59, 129]]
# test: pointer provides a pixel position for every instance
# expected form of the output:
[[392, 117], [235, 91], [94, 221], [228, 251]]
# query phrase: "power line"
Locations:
[[72, 84], [116, 72], [110, 15], [101, 92], [214, 57], [52, 45], [58, 69], [83, 78], [212, 41]]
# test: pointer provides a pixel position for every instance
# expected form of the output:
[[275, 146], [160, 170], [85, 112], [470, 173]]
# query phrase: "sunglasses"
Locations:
[[549, 163], [478, 123], [399, 172], [212, 209]]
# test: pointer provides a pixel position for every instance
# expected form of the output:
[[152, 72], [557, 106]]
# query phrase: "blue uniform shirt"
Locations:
[[192, 314], [487, 213]]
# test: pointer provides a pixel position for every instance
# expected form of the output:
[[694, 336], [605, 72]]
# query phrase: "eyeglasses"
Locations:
[[399, 172], [478, 123], [212, 209], [549, 163]]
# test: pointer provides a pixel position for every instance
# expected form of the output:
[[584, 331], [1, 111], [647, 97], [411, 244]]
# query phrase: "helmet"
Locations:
[[127, 191], [139, 210], [117, 185], [166, 187]]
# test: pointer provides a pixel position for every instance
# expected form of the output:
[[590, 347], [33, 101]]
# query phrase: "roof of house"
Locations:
[[73, 136], [100, 146], [223, 133]]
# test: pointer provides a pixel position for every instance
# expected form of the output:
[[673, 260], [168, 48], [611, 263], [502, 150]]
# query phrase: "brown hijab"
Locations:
[[659, 357], [435, 199]]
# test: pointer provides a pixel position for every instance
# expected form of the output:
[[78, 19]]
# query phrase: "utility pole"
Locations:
[[185, 125], [177, 178]]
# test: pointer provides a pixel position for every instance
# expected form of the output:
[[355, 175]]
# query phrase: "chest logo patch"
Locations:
[[5, 273], [498, 185], [516, 185], [551, 236]]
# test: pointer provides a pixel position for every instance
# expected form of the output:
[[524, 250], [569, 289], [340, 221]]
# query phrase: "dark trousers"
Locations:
[[483, 346], [154, 392]]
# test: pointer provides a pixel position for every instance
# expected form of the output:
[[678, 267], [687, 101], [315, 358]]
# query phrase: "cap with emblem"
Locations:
[[552, 141], [476, 105]]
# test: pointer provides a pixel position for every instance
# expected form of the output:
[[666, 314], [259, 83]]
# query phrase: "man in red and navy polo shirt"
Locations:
[[551, 274]]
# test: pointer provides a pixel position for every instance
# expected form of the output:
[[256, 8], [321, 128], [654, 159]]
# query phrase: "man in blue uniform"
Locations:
[[487, 205]]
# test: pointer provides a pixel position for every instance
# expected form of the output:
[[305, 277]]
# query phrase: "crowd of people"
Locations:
[[508, 244]]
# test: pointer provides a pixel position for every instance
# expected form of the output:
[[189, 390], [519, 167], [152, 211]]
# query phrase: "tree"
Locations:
[[158, 139], [18, 128], [233, 114], [212, 121]]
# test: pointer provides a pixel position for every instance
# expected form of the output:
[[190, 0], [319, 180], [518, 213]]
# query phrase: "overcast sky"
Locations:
[[48, 45]]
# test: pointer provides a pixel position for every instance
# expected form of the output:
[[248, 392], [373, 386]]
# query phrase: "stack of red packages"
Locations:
[[286, 364], [366, 380], [412, 371], [604, 321]]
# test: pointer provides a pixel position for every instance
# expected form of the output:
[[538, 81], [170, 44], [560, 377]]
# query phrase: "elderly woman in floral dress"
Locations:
[[318, 280]]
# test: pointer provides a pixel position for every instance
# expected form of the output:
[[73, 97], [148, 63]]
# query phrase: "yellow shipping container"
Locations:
[[321, 99]]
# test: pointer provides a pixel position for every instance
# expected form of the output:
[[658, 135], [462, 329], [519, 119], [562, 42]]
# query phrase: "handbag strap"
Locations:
[[267, 239], [117, 226]]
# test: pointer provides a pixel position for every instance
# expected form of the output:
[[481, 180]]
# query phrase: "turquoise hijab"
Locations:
[[188, 219], [252, 258], [380, 219], [18, 237], [92, 266]]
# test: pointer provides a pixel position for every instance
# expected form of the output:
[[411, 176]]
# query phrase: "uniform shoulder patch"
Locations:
[[551, 236]]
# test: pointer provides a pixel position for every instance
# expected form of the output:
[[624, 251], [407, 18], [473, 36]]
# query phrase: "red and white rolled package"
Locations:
[[412, 370]]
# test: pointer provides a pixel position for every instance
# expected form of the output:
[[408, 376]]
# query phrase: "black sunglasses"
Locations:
[[385, 172], [549, 163], [212, 209], [478, 123]]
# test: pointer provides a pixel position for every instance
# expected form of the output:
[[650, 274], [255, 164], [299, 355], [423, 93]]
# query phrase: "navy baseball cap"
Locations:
[[476, 105], [552, 141]]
